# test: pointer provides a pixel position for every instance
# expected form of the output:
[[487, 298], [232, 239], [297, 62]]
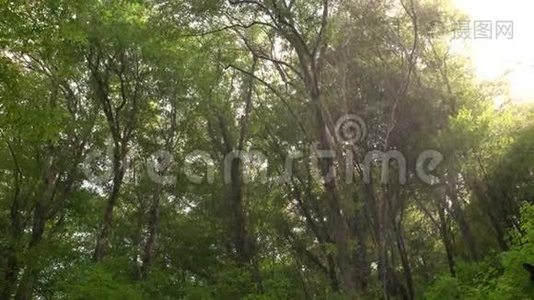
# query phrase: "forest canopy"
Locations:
[[257, 149]]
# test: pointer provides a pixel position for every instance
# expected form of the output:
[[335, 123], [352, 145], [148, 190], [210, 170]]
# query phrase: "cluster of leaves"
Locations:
[[499, 276]]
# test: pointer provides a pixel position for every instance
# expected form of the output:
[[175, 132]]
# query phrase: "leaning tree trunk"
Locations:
[[26, 285], [40, 216], [401, 247], [102, 242]]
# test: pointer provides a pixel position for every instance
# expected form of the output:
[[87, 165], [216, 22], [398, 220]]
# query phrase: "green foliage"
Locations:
[[444, 287], [135, 77], [92, 282], [498, 277]]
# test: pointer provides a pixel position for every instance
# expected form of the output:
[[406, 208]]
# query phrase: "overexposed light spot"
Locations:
[[500, 58]]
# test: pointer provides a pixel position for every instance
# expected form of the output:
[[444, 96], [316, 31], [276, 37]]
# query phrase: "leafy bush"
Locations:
[[88, 282], [499, 277]]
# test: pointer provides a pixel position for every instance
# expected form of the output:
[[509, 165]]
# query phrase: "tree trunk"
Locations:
[[404, 261], [26, 285], [445, 235], [12, 267], [459, 217], [362, 269], [150, 245], [102, 242], [382, 230], [40, 216], [337, 223], [10, 274]]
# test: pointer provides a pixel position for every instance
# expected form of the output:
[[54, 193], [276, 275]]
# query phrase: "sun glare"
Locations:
[[501, 58]]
